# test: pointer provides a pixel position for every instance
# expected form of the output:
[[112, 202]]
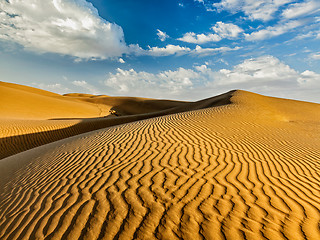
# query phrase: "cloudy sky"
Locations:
[[178, 49]]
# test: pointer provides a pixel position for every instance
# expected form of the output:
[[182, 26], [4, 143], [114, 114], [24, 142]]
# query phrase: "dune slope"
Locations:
[[127, 105], [245, 170], [32, 117], [22, 102]]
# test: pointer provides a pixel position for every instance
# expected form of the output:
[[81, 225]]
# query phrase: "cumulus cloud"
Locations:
[[67, 27], [170, 50], [52, 87], [222, 30], [87, 87], [255, 9], [167, 50], [256, 71], [192, 37], [165, 84], [268, 75], [309, 77], [301, 9], [162, 35], [265, 75], [74, 28], [227, 30], [199, 51], [273, 31]]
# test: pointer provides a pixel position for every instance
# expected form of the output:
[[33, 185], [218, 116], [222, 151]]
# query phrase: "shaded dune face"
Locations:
[[246, 170]]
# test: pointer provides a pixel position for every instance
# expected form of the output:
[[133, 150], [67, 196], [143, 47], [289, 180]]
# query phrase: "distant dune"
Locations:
[[236, 166], [32, 117]]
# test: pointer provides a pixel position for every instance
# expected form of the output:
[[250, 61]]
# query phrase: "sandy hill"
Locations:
[[242, 166], [31, 117], [22, 102], [128, 105]]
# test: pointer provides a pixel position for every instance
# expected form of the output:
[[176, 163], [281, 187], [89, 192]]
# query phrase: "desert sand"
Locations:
[[236, 166], [32, 117]]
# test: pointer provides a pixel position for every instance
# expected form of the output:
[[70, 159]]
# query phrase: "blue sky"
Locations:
[[182, 49]]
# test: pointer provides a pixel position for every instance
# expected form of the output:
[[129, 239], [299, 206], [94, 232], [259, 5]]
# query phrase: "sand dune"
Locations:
[[244, 166], [33, 117], [128, 105], [25, 111], [22, 102]]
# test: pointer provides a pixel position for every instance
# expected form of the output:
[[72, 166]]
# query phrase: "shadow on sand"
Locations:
[[16, 144]]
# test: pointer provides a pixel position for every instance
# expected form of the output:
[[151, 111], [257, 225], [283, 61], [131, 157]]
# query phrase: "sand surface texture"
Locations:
[[248, 169], [31, 117]]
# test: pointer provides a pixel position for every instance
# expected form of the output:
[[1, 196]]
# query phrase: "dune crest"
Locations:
[[237, 166]]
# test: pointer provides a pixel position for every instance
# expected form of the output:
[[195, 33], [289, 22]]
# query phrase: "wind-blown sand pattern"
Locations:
[[249, 169], [31, 117]]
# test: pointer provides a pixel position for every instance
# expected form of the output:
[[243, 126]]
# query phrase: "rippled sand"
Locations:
[[248, 167]]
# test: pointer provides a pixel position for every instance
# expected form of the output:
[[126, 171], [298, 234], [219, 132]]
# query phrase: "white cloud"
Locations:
[[67, 27], [71, 27], [53, 87], [191, 37], [227, 30], [301, 9], [315, 56], [265, 75], [268, 75], [273, 31], [309, 80], [121, 60], [162, 35], [167, 50], [254, 9], [256, 71], [222, 30], [170, 50], [165, 84], [304, 36], [210, 51], [87, 87]]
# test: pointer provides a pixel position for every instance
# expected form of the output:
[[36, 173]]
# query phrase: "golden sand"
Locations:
[[31, 117], [244, 167]]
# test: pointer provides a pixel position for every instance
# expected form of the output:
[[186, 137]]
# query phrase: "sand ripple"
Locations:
[[207, 174]]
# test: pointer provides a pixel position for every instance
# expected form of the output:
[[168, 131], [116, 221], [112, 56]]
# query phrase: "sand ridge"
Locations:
[[23, 102], [128, 105], [245, 169], [33, 117]]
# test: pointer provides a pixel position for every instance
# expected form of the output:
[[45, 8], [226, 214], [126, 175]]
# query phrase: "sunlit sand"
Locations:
[[236, 166]]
